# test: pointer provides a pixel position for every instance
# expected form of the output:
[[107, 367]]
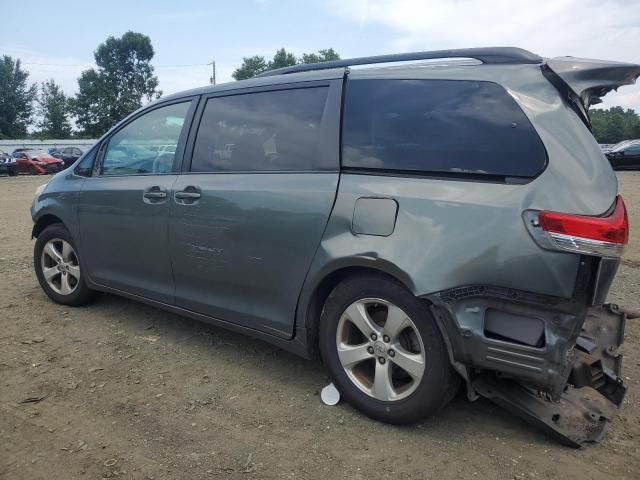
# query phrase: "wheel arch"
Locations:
[[43, 222], [314, 297]]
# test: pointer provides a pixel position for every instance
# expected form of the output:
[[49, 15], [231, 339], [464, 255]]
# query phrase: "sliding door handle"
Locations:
[[187, 195]]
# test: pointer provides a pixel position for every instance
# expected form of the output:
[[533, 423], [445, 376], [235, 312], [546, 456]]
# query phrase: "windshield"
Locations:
[[623, 144]]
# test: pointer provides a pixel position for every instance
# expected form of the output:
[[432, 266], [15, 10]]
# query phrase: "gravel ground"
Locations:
[[134, 392]]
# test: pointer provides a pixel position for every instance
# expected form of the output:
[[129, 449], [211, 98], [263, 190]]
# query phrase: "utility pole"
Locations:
[[212, 80]]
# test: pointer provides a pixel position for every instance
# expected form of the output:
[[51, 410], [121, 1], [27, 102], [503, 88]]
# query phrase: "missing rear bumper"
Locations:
[[594, 390]]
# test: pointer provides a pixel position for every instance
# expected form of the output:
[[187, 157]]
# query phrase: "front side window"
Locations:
[[452, 126], [136, 148], [264, 131]]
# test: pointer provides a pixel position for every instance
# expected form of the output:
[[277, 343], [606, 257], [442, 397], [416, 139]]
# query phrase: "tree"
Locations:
[[614, 124], [53, 109], [16, 99], [282, 59], [324, 55], [122, 81], [252, 66]]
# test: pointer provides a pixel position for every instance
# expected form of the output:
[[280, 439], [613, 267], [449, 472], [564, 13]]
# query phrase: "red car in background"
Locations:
[[36, 162]]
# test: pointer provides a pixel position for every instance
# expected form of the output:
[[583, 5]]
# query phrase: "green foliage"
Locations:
[[16, 99], [324, 55], [282, 59], [122, 81], [614, 124], [53, 109], [252, 66]]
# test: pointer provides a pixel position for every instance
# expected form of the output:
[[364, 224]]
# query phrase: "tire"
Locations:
[[66, 284], [412, 397], [12, 173]]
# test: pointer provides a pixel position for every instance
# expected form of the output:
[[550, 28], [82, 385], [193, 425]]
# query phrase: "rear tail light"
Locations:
[[603, 236]]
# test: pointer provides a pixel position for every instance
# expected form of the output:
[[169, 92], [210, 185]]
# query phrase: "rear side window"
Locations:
[[450, 126], [263, 131]]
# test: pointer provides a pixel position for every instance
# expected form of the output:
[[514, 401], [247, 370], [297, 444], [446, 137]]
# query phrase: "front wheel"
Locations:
[[384, 351], [57, 265]]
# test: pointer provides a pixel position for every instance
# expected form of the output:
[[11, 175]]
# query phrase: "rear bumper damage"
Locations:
[[594, 390], [553, 361]]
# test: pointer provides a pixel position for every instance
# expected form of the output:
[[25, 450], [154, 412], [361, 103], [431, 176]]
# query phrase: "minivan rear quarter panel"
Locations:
[[451, 232]]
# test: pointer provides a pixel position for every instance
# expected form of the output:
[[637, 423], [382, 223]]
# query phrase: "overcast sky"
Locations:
[[57, 39]]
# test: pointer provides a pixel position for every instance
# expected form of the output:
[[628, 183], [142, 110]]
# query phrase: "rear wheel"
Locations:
[[384, 351], [57, 265]]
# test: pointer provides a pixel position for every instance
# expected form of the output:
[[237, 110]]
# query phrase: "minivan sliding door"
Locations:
[[246, 220]]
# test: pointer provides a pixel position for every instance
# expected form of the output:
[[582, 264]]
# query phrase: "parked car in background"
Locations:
[[7, 164], [626, 156], [606, 147], [68, 155], [37, 162]]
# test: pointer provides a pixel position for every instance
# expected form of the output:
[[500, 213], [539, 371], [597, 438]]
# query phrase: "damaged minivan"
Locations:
[[422, 222]]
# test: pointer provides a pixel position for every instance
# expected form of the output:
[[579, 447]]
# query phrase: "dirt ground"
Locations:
[[134, 392]]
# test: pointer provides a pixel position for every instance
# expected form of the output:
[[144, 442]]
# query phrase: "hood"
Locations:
[[46, 159], [592, 79]]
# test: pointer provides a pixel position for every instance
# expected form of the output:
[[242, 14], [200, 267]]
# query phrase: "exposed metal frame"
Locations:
[[489, 55]]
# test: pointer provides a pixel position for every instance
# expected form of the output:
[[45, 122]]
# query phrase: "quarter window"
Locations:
[[263, 131], [452, 126], [85, 167], [147, 144]]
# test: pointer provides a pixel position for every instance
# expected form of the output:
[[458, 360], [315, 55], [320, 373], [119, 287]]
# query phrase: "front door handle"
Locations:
[[154, 194]]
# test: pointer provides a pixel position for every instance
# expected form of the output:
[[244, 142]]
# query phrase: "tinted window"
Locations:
[[137, 148], [277, 130], [438, 126]]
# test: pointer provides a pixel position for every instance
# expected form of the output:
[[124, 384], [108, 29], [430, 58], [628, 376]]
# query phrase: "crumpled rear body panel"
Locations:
[[594, 391]]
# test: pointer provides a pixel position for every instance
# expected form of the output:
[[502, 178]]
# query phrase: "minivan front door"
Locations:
[[246, 221], [123, 208]]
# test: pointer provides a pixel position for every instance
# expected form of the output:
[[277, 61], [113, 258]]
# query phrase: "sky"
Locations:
[[57, 39]]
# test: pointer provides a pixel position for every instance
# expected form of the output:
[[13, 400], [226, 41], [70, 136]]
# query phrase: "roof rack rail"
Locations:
[[491, 55]]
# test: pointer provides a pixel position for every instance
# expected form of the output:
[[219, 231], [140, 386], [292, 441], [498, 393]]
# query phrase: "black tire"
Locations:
[[12, 173], [82, 294], [439, 382]]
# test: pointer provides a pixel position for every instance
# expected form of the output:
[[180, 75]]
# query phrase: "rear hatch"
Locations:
[[589, 80]]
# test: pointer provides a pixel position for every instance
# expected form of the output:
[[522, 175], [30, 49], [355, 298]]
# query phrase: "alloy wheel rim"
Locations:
[[60, 266], [380, 349]]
